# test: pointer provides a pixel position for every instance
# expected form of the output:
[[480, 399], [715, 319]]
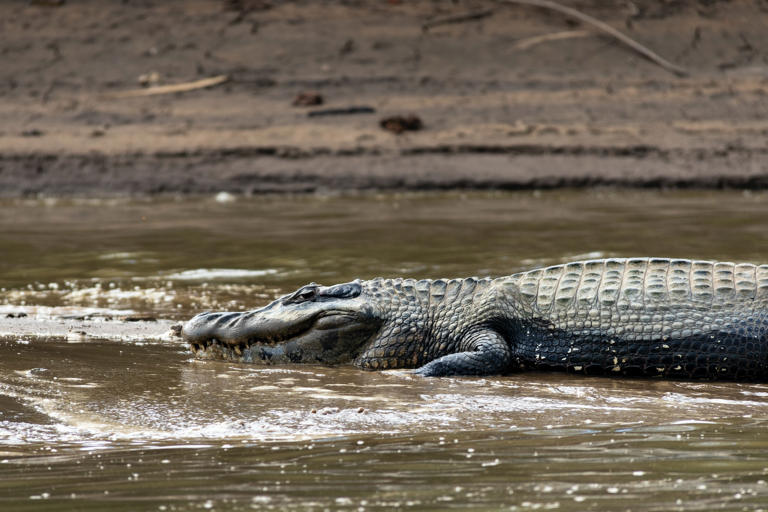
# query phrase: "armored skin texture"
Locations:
[[637, 317]]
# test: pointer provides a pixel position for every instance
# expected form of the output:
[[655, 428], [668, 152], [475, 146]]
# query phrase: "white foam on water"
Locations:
[[64, 311], [219, 273]]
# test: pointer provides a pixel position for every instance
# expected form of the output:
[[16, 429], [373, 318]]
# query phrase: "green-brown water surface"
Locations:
[[141, 425]]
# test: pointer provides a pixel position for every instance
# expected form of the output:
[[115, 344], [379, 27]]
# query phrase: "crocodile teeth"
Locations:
[[212, 345], [266, 341]]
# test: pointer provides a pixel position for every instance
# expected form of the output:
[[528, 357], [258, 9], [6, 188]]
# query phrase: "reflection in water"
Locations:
[[138, 425]]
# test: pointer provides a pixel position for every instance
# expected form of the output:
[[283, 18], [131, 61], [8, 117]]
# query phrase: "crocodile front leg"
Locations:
[[487, 353]]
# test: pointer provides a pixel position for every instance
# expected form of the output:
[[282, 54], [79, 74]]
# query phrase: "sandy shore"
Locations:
[[509, 96]]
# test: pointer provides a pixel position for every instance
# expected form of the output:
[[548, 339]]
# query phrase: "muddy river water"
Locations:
[[138, 424]]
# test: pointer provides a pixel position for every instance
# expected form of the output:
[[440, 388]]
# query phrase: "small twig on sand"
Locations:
[[460, 18], [168, 89], [528, 42], [639, 48]]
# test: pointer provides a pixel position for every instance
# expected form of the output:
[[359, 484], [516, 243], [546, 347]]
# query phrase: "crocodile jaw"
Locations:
[[282, 334]]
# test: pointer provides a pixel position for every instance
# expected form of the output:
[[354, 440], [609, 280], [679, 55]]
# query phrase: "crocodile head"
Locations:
[[315, 324]]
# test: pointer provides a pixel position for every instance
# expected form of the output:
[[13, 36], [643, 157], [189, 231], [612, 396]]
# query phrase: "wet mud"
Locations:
[[508, 97]]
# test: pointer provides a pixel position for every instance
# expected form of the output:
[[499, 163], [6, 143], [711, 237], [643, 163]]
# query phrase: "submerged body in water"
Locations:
[[638, 317]]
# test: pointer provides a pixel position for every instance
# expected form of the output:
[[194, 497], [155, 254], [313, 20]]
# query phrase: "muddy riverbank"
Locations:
[[509, 97]]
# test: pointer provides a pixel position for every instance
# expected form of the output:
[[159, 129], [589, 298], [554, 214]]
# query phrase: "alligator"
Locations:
[[671, 318]]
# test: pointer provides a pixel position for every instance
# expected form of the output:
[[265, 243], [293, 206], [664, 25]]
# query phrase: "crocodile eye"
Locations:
[[307, 294], [304, 294]]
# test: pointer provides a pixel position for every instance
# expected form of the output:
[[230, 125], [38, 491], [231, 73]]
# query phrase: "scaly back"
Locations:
[[619, 282]]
